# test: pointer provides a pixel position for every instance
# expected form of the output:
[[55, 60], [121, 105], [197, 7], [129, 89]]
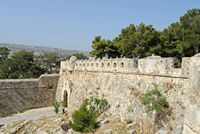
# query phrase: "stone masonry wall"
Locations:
[[153, 65], [22, 94], [123, 93], [192, 112], [123, 81]]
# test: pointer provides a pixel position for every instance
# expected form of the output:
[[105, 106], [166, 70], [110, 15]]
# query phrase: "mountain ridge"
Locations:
[[40, 49]]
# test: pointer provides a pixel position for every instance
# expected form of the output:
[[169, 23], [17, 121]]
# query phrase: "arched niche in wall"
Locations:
[[108, 64], [67, 91], [102, 65], [114, 65], [122, 64]]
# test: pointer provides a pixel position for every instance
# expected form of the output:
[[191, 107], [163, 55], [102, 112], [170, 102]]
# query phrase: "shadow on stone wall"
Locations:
[[17, 95]]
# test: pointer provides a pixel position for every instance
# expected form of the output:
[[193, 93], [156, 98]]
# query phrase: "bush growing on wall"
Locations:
[[153, 100], [85, 118], [100, 105]]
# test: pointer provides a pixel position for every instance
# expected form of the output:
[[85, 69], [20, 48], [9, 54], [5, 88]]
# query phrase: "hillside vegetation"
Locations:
[[26, 64], [40, 49]]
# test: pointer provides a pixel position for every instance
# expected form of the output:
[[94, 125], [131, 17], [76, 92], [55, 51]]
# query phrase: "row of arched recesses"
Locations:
[[121, 65]]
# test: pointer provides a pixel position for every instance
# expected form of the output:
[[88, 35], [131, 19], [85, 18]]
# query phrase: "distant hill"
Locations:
[[40, 49]]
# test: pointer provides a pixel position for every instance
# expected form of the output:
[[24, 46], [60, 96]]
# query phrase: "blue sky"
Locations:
[[72, 24]]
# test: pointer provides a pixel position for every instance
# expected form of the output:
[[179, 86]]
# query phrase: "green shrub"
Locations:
[[100, 105], [56, 105], [154, 100], [84, 119]]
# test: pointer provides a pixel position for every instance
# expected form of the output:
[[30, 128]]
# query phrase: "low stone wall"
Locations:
[[17, 95]]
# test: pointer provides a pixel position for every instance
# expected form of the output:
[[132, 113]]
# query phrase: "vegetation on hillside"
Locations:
[[25, 64], [20, 65]]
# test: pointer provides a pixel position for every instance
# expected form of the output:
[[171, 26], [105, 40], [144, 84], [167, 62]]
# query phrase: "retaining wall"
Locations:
[[17, 95]]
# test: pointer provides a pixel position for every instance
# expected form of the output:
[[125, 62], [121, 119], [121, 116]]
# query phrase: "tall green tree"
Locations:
[[180, 39], [4, 52], [103, 47], [189, 33], [126, 41], [138, 41], [5, 69], [170, 40], [20, 65], [49, 62]]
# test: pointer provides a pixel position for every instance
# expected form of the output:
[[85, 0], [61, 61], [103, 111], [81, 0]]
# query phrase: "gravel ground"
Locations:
[[27, 115]]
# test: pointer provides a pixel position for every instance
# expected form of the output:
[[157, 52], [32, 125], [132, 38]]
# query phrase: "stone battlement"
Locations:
[[153, 65]]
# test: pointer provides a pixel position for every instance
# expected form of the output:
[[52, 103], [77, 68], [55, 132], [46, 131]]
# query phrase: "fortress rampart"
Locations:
[[122, 81], [17, 95]]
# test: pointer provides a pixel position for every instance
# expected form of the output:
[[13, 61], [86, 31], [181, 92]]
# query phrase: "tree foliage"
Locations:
[[85, 118], [180, 39], [103, 47], [4, 52], [50, 62], [20, 65]]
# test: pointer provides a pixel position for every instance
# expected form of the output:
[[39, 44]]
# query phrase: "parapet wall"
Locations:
[[17, 95], [153, 65]]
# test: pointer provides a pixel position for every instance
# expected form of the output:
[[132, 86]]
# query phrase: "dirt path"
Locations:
[[27, 115]]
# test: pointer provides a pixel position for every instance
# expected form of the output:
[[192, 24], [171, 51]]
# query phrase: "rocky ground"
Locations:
[[58, 124], [45, 121]]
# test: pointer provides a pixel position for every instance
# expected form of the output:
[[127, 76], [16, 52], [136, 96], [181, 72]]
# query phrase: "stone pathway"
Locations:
[[27, 115]]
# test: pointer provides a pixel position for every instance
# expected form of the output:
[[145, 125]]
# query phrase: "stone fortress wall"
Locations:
[[122, 81], [17, 95], [153, 65]]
